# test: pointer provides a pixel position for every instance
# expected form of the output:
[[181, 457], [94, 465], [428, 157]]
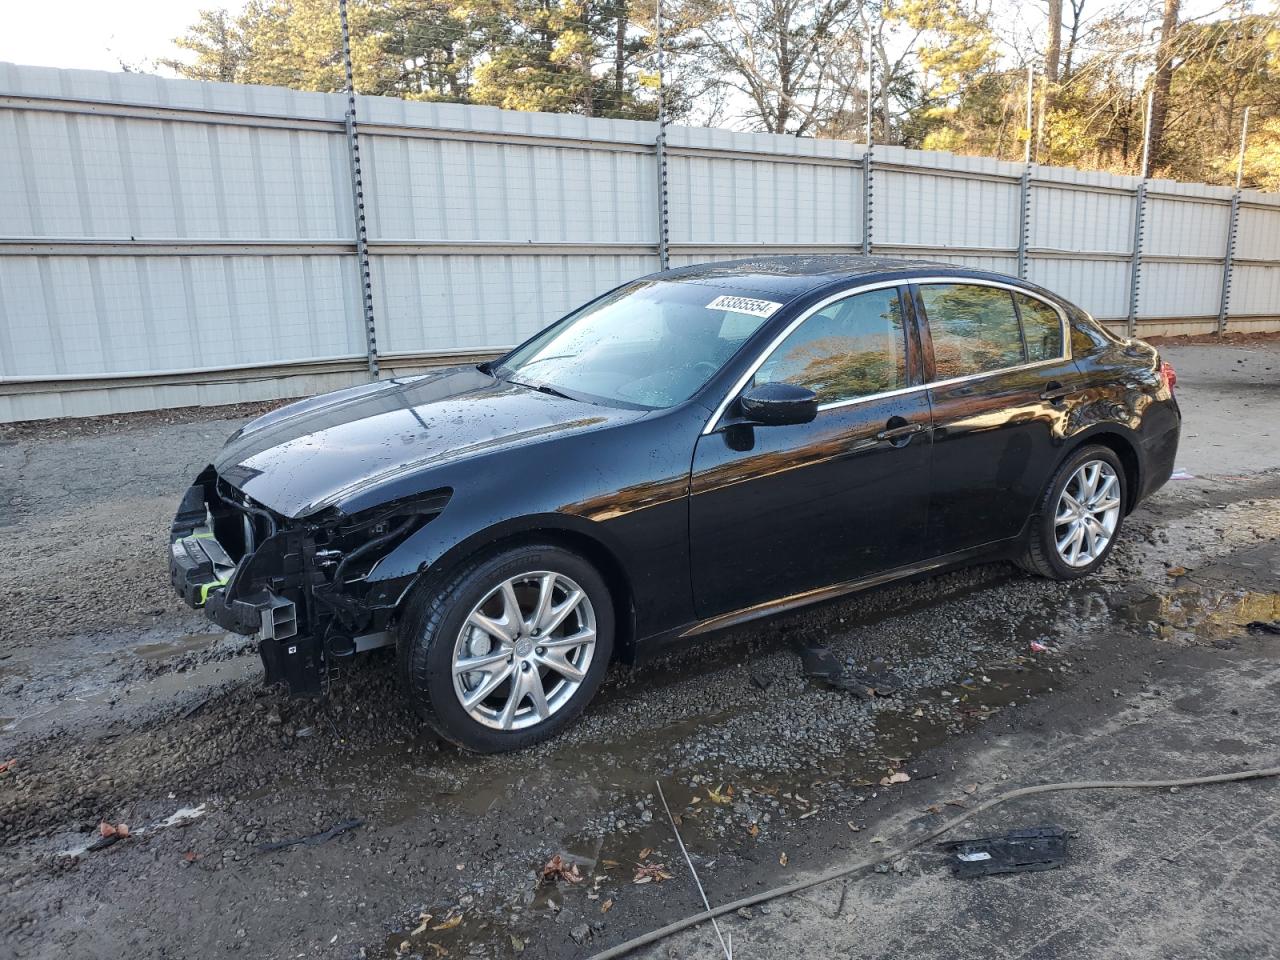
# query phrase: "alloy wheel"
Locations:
[[1087, 513], [524, 650]]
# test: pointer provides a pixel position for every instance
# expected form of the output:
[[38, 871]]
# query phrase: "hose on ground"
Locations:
[[662, 933]]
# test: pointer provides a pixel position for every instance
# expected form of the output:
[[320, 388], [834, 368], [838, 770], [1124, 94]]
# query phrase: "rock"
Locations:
[[581, 933]]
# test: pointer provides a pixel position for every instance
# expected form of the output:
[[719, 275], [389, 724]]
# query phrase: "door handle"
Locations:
[[897, 433], [1056, 392]]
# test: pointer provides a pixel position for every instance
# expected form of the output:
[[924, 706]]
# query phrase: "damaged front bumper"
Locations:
[[301, 587]]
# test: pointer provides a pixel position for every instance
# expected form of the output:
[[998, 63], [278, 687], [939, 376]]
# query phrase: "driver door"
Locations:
[[781, 510]]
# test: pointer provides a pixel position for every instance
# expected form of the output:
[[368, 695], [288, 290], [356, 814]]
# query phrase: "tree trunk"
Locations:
[[620, 55], [1077, 11], [1161, 83], [1052, 57]]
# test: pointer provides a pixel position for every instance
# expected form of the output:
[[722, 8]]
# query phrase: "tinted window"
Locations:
[[1042, 327], [849, 349], [975, 329]]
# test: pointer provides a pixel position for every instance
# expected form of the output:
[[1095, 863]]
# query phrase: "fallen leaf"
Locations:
[[1038, 647], [650, 873], [754, 830], [120, 830], [971, 788], [644, 854], [440, 951], [556, 869], [782, 860], [449, 923], [606, 906], [720, 795], [1175, 571], [919, 712], [955, 803], [898, 776], [405, 947], [611, 863], [517, 944], [191, 856], [8, 765], [424, 921], [806, 816], [854, 827], [933, 808], [877, 839]]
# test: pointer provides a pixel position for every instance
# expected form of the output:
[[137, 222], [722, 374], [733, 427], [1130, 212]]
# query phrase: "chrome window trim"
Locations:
[[767, 352]]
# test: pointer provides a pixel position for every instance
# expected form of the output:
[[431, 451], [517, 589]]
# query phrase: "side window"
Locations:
[[851, 348], [1042, 327], [974, 329]]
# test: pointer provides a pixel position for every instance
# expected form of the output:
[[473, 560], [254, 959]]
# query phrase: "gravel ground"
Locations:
[[120, 705]]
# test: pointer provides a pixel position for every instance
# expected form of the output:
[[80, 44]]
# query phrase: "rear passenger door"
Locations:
[[1001, 378]]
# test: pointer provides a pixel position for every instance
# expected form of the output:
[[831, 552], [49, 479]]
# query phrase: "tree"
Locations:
[[794, 61], [1162, 80], [219, 47], [1052, 59]]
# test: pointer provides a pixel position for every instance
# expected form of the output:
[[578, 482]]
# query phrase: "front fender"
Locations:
[[448, 539]]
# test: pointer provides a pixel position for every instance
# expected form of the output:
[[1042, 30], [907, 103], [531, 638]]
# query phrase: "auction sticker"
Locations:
[[756, 308]]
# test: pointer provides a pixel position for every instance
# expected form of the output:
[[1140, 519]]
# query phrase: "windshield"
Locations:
[[651, 344]]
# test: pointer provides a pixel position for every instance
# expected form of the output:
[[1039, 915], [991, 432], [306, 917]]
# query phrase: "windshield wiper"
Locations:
[[542, 388]]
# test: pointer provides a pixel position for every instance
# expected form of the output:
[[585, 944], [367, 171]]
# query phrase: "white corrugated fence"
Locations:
[[169, 242]]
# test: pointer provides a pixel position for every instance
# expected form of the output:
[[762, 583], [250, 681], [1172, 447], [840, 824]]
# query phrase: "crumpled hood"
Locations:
[[318, 452]]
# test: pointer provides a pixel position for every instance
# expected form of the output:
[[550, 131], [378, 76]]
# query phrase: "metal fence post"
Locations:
[[660, 152], [868, 202], [1135, 262], [357, 198], [1232, 229], [1024, 222]]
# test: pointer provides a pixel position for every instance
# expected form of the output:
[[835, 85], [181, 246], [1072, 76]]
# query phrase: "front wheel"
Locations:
[[508, 650], [1079, 516]]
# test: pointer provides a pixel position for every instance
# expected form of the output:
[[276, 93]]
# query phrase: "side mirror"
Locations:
[[778, 404]]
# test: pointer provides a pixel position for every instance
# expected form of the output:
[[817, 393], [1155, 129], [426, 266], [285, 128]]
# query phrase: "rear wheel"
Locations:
[[1080, 516], [509, 650]]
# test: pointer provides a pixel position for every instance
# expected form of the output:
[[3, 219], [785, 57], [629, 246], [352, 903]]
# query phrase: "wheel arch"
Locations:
[[560, 531], [1126, 450]]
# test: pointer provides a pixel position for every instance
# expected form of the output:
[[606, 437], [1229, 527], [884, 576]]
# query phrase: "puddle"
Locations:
[[175, 648], [1190, 611]]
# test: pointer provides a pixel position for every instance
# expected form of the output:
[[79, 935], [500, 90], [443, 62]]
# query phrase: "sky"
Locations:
[[94, 34]]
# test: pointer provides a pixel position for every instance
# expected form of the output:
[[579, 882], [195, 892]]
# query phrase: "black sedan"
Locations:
[[692, 450]]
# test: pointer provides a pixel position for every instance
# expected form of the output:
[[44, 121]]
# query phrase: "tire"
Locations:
[[507, 653], [1042, 554]]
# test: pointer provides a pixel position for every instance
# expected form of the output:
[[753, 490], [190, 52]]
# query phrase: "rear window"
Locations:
[[1042, 327]]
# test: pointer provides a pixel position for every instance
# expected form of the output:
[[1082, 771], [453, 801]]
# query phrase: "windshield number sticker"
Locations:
[[756, 308]]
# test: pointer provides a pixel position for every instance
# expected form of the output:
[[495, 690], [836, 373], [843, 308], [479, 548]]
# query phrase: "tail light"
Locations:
[[1168, 375]]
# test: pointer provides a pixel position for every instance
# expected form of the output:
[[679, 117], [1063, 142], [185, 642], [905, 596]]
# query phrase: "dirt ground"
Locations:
[[120, 705]]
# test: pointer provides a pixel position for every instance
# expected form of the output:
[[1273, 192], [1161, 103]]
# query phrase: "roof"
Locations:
[[792, 276]]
